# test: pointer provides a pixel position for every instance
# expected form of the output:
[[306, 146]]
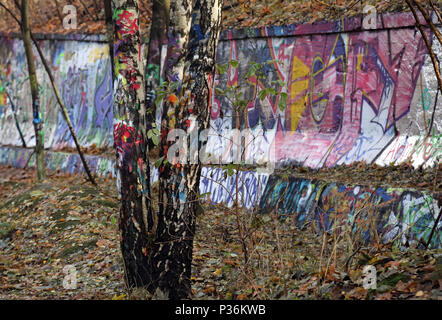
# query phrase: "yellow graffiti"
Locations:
[[298, 86], [119, 66], [358, 68], [97, 53]]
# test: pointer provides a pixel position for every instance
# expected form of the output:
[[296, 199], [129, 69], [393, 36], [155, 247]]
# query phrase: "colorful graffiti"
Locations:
[[82, 73], [351, 94], [407, 216], [218, 187]]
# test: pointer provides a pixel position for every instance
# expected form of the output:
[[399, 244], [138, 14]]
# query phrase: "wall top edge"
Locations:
[[81, 37], [384, 21]]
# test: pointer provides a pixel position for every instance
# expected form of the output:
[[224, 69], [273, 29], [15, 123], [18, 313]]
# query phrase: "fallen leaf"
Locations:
[[217, 272], [428, 268], [231, 262], [420, 293], [120, 297], [209, 289], [392, 264], [384, 296]]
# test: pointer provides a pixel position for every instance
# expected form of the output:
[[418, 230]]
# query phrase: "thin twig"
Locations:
[[58, 11], [87, 10], [436, 11], [433, 229], [15, 117], [428, 44], [428, 20]]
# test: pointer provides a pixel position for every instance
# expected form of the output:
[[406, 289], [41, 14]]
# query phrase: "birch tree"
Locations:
[[154, 77], [133, 172], [193, 65], [157, 246]]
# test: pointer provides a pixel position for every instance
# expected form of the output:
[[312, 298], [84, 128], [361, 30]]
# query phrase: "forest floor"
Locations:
[[65, 227]]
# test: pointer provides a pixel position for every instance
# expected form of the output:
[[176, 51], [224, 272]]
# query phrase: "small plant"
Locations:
[[235, 95]]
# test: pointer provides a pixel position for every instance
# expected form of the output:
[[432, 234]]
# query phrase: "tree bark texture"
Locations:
[[188, 110], [157, 246], [137, 224]]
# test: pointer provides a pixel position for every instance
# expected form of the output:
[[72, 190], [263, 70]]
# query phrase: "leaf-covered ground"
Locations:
[[64, 221], [47, 226]]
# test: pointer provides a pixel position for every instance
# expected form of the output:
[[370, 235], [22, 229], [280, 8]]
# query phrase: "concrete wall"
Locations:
[[353, 95], [56, 160], [403, 216], [407, 216], [82, 72], [219, 187]]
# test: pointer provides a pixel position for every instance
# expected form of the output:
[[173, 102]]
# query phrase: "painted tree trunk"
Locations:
[[187, 109], [137, 224], [157, 248], [37, 120]]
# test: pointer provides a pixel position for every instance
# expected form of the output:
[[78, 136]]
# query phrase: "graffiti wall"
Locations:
[[405, 216], [218, 186], [62, 161], [352, 95], [82, 72]]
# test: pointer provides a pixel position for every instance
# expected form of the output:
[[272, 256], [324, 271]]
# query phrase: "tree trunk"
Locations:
[[179, 182], [157, 248], [37, 120], [137, 224]]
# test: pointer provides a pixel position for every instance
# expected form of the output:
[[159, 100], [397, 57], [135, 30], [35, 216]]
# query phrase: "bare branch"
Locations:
[[436, 11], [58, 11], [428, 44], [87, 10], [429, 22]]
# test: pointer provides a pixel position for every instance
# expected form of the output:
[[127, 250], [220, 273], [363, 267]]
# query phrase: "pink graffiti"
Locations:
[[356, 92]]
